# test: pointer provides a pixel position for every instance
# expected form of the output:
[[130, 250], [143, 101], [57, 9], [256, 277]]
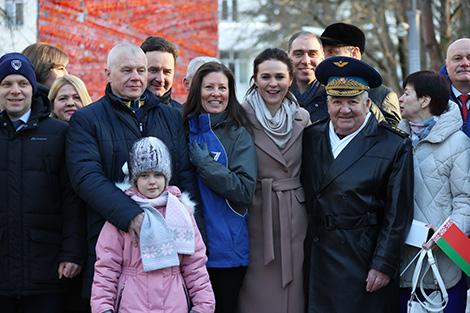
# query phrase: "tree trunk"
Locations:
[[445, 25], [431, 46]]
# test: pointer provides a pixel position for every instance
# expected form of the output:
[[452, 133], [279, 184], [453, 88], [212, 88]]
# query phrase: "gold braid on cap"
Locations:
[[344, 87]]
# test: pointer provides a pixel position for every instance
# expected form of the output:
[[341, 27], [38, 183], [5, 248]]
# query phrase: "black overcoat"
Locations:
[[360, 208]]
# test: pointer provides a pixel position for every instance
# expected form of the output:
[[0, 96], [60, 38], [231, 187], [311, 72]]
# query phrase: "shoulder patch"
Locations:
[[393, 129]]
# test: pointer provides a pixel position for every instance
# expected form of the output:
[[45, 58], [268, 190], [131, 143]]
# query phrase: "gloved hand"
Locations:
[[198, 154]]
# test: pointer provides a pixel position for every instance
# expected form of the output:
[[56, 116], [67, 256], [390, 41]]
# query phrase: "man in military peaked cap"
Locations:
[[341, 39], [360, 196]]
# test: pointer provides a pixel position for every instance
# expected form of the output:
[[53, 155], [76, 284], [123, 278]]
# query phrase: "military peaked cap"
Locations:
[[347, 77]]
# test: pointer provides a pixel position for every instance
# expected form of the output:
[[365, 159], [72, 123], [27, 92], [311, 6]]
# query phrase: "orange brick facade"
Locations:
[[86, 30]]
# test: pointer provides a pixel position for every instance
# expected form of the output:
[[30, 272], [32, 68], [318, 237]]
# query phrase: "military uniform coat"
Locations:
[[360, 208], [385, 105], [277, 225]]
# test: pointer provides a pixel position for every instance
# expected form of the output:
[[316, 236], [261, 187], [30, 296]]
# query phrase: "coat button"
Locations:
[[316, 239], [316, 105]]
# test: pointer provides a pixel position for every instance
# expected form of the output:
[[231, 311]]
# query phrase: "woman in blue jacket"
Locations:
[[224, 156]]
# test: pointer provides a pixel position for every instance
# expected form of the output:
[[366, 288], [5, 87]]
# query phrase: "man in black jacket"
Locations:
[[359, 196], [306, 52], [161, 58], [99, 140], [40, 219]]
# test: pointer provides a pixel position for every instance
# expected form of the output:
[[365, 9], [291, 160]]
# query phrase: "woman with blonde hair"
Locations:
[[67, 95]]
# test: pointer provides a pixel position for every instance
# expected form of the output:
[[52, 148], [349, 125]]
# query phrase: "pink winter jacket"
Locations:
[[121, 285]]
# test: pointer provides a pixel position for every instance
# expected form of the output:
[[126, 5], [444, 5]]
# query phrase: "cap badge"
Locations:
[[341, 63], [16, 64]]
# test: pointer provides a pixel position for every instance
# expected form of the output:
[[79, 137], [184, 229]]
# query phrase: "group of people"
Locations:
[[298, 199]]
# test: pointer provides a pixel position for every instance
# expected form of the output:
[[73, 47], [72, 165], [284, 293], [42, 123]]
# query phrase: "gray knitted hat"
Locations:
[[149, 154]]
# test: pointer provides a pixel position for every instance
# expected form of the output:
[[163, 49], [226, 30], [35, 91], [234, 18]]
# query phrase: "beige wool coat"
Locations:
[[277, 225]]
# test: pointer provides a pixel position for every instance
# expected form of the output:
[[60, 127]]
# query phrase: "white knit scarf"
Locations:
[[163, 238], [278, 127]]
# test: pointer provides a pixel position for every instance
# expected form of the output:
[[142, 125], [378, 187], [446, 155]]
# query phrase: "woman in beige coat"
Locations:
[[278, 220]]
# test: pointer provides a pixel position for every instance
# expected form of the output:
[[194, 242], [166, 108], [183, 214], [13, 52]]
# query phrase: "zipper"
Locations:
[[186, 294], [226, 161], [118, 303]]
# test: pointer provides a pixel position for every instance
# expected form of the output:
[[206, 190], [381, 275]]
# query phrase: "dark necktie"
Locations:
[[463, 100], [17, 124]]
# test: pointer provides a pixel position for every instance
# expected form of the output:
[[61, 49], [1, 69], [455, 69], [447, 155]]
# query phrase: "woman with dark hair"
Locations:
[[278, 220], [224, 156], [441, 156]]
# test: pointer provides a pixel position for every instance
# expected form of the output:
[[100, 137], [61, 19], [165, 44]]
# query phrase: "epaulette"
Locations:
[[393, 129]]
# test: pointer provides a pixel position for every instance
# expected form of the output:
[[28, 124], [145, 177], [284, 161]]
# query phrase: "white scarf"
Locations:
[[278, 127], [337, 144], [163, 238]]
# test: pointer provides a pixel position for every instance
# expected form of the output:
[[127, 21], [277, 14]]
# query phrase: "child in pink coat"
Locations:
[[165, 271]]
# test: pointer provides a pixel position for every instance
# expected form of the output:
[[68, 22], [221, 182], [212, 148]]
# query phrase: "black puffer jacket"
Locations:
[[99, 140], [40, 216]]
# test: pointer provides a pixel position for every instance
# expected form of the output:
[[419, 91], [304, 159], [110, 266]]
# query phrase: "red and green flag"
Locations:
[[454, 243]]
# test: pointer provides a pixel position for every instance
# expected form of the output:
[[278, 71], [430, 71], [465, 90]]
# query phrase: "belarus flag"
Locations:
[[454, 243]]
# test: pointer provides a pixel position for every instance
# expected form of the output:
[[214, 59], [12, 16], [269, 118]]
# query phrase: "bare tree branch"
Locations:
[[442, 22]]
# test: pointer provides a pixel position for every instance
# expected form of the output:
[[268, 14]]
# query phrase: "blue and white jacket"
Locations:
[[227, 183]]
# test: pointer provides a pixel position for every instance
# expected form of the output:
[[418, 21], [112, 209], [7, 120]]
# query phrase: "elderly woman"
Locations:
[[442, 167], [67, 95], [278, 219], [224, 156]]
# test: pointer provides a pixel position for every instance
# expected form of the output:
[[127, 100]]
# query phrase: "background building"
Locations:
[[86, 30], [18, 24], [238, 40]]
